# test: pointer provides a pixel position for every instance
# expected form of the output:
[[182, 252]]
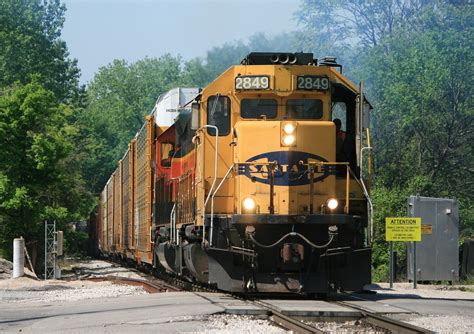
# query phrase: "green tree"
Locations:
[[30, 45], [119, 97], [349, 28], [425, 116], [422, 80], [39, 159], [201, 71], [38, 174], [335, 23]]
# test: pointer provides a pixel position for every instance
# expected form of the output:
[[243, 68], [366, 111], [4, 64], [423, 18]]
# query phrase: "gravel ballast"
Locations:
[[230, 323]]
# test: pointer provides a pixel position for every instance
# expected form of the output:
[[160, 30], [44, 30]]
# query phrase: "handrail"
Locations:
[[346, 207], [215, 162], [348, 173], [317, 163], [369, 159], [371, 207], [328, 163], [213, 183], [212, 203], [172, 221], [366, 193]]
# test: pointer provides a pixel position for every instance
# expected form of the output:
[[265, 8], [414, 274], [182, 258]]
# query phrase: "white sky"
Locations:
[[98, 31]]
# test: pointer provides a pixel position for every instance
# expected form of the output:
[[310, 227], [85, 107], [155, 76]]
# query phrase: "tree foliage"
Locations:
[[30, 45], [39, 96], [347, 29], [425, 110], [335, 23], [201, 71], [119, 97], [38, 177]]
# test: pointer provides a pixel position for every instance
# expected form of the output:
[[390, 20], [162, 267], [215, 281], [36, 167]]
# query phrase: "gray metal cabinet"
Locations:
[[437, 255]]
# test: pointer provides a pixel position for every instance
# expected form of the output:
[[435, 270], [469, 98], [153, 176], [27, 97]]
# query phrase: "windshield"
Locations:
[[304, 109], [258, 108]]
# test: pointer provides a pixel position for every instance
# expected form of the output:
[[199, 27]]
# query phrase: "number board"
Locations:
[[252, 82], [311, 82]]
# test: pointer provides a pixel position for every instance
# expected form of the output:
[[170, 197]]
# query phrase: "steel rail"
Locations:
[[287, 322], [293, 324], [147, 284], [392, 325]]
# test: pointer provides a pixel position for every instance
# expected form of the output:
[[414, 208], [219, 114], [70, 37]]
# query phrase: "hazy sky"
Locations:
[[98, 31]]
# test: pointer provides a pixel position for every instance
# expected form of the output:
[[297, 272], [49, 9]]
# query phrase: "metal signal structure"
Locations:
[[50, 252]]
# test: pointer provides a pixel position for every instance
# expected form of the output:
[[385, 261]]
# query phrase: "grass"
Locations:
[[469, 280]]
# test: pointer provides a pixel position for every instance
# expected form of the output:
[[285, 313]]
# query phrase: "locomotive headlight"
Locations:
[[289, 128], [288, 134], [289, 140], [248, 205], [332, 203]]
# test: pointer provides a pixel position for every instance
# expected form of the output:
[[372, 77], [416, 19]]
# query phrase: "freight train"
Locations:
[[258, 183]]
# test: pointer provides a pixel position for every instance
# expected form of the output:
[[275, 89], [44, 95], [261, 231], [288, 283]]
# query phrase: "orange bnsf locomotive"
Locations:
[[255, 183]]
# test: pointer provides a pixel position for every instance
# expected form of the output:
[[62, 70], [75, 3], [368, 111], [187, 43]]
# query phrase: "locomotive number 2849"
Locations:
[[309, 82], [252, 82]]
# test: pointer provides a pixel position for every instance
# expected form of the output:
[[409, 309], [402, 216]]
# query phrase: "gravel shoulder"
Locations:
[[440, 308], [462, 292], [73, 287]]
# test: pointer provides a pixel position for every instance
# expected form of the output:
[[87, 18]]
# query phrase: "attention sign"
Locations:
[[402, 229]]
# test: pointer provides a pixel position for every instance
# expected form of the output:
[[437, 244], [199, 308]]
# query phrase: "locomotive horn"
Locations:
[[292, 59], [274, 59], [284, 59]]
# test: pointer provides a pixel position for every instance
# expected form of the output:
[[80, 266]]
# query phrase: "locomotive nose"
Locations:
[[285, 173]]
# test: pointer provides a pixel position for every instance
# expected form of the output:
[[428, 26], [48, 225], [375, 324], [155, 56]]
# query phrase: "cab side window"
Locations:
[[218, 114], [167, 153]]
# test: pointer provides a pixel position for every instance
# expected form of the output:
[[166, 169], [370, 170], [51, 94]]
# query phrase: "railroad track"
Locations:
[[378, 321], [155, 282], [149, 285], [387, 323]]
